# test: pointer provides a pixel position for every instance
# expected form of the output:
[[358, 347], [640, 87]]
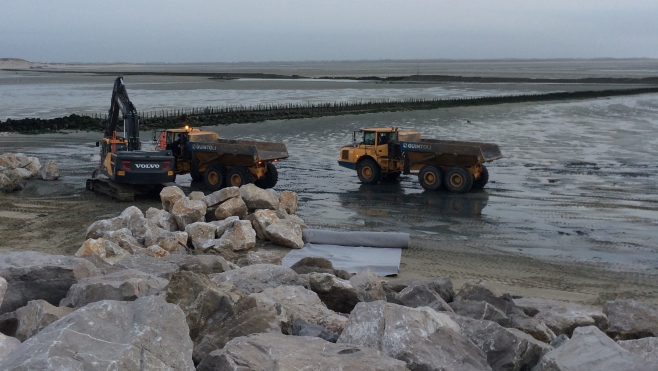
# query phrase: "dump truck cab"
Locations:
[[374, 154]]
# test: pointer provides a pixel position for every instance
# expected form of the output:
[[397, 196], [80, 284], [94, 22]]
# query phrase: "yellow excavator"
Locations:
[[385, 153], [125, 169]]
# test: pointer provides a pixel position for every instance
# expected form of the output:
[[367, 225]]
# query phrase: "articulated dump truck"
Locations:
[[385, 153], [223, 162]]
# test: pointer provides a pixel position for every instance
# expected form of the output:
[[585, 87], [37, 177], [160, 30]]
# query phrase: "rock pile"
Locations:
[[142, 295], [17, 167]]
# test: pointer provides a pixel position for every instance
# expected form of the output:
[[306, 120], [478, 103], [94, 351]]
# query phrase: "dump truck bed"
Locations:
[[259, 151], [484, 152]]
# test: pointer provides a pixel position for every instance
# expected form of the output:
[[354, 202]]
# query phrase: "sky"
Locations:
[[154, 31]]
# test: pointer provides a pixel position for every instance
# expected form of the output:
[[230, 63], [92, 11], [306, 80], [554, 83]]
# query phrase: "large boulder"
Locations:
[[415, 296], [288, 201], [312, 264], [258, 277], [630, 319], [272, 351], [285, 233], [21, 160], [187, 211], [478, 292], [147, 334], [441, 285], [303, 328], [48, 171], [562, 317], [125, 285], [169, 196], [337, 294], [531, 326], [162, 219], [480, 310], [202, 301], [3, 288], [24, 173], [257, 198], [645, 348], [590, 349], [238, 236], [32, 276], [124, 238], [260, 257], [98, 228], [506, 349], [260, 220], [368, 286], [199, 233], [10, 180], [173, 242], [7, 344], [160, 267], [8, 160], [92, 247], [205, 264], [232, 207], [35, 316], [33, 166], [423, 338], [222, 195]]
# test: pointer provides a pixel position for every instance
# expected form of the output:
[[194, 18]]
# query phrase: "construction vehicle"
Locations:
[[124, 168], [385, 153], [223, 162]]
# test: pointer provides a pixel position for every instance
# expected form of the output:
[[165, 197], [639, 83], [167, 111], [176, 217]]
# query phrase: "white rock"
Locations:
[[239, 236], [288, 201], [260, 220], [222, 195], [169, 196], [187, 212], [200, 232], [162, 219], [258, 198], [285, 233], [48, 171], [222, 225], [232, 207]]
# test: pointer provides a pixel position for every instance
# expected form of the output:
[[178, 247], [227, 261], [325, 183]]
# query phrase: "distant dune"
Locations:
[[20, 63]]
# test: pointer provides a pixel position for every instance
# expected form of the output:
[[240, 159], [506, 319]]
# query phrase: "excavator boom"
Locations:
[[121, 103]]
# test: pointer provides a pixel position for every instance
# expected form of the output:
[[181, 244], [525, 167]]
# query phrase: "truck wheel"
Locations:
[[270, 178], [368, 171], [430, 177], [480, 182], [194, 170], [238, 176], [213, 177], [458, 179]]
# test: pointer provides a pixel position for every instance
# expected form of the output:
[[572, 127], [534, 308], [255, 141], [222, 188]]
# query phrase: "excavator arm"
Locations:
[[121, 103]]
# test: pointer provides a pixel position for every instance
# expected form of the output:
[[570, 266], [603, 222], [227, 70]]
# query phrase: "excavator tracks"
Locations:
[[119, 192]]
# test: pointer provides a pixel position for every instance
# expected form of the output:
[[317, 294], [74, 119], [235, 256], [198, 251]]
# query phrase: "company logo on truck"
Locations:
[[203, 147], [416, 146], [147, 166]]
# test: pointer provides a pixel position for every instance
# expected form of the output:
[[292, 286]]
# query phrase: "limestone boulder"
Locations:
[[288, 201], [35, 316], [154, 251], [124, 238], [3, 288], [98, 228], [506, 349], [239, 236], [415, 296], [7, 344], [258, 277], [631, 319], [162, 219], [146, 334], [260, 220], [285, 233], [480, 310], [368, 286], [24, 173], [441, 285], [172, 242], [33, 166], [531, 326], [562, 317], [205, 264], [479, 292], [337, 294], [21, 160], [125, 285], [303, 328], [421, 337], [202, 301], [186, 211], [33, 276], [645, 348], [222, 225], [231, 207], [160, 267], [48, 171], [313, 265], [8, 160], [222, 195], [272, 351], [590, 349], [200, 232], [92, 247], [257, 198], [10, 180], [142, 229], [197, 196], [260, 257], [169, 196]]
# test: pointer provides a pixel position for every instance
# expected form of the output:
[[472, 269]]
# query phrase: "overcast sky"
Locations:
[[293, 30]]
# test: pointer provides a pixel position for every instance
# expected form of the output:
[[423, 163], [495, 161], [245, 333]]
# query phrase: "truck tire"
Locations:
[[480, 182], [238, 176], [194, 170], [368, 171], [270, 178], [458, 180], [430, 177], [214, 176]]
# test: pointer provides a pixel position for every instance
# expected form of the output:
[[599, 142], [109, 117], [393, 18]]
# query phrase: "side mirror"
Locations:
[[98, 144]]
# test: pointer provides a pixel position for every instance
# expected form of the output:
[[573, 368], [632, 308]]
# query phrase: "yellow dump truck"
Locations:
[[385, 153], [223, 162]]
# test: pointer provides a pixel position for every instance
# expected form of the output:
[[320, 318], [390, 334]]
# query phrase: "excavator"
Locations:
[[125, 169]]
